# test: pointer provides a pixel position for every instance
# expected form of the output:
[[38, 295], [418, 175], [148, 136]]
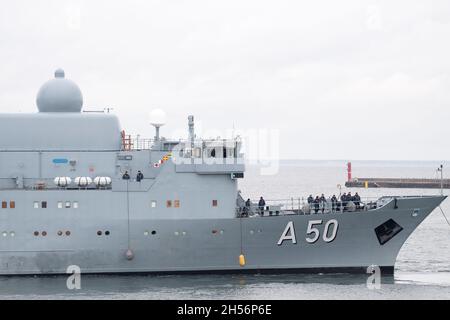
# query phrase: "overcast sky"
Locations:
[[337, 79]]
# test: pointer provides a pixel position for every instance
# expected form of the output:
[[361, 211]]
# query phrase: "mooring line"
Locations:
[[442, 211]]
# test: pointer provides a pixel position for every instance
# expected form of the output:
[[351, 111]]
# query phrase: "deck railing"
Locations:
[[301, 206]]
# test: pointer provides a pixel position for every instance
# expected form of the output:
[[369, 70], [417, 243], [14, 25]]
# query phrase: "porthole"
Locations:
[[221, 231], [184, 233], [107, 233], [176, 233], [153, 232], [44, 233], [99, 233], [36, 233], [252, 232], [12, 234], [5, 234], [146, 233], [60, 233], [67, 233], [214, 231]]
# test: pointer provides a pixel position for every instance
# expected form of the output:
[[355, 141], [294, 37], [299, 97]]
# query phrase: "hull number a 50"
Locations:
[[313, 233]]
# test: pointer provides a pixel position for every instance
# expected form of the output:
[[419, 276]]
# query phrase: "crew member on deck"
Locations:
[[333, 203], [248, 204], [126, 176], [140, 176], [323, 202], [310, 199], [316, 204], [344, 202], [357, 200], [261, 205]]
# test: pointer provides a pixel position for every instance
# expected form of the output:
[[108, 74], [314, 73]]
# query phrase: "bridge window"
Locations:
[[36, 205], [4, 204], [60, 205], [68, 204], [12, 204], [176, 203], [153, 204], [44, 204], [169, 204], [215, 203], [75, 204]]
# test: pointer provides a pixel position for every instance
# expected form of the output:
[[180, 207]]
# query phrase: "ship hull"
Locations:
[[274, 244]]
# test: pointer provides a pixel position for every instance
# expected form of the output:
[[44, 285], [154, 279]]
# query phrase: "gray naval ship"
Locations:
[[76, 190]]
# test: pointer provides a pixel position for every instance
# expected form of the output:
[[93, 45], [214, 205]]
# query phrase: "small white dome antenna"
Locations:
[[157, 119]]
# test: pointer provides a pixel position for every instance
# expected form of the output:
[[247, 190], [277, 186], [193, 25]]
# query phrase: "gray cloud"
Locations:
[[340, 80]]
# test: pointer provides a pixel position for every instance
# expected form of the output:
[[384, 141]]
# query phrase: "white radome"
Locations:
[[102, 181], [59, 95], [83, 181], [157, 117], [62, 181]]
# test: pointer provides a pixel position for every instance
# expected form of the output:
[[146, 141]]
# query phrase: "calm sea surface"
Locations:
[[422, 269]]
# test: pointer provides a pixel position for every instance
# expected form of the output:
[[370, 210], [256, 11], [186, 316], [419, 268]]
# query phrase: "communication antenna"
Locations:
[[441, 170], [157, 119]]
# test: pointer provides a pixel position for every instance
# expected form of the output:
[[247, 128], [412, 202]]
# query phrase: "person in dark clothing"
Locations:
[[261, 205], [333, 203], [126, 176], [316, 204], [310, 203], [140, 176], [246, 208], [323, 202], [248, 204], [357, 200], [343, 202], [350, 197]]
